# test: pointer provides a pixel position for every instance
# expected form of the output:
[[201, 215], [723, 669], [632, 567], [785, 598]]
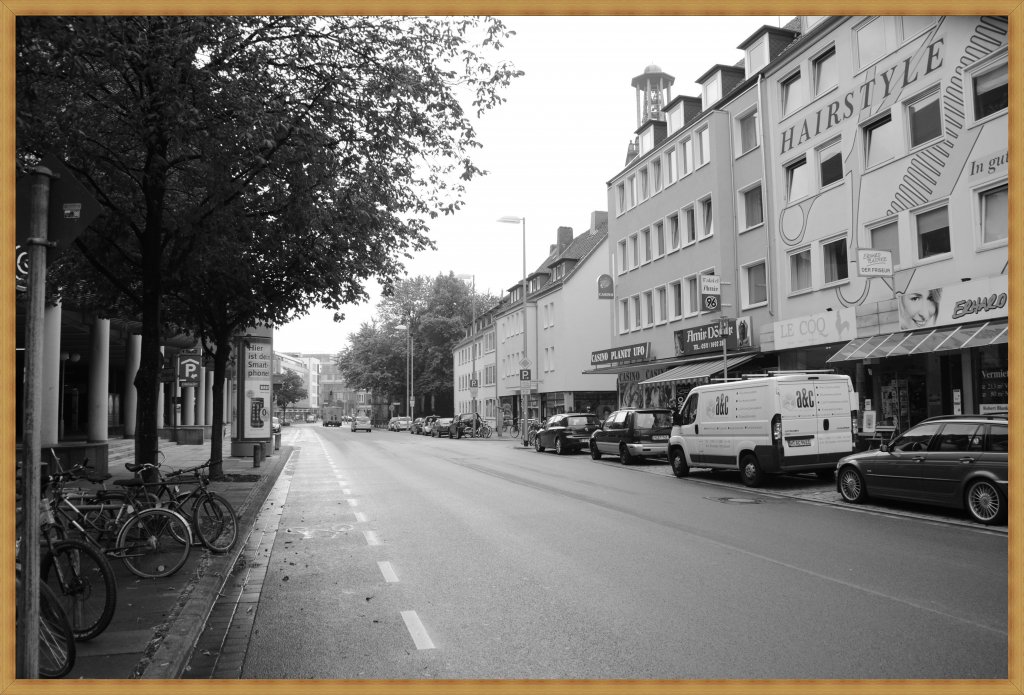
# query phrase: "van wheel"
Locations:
[[625, 458], [679, 466], [851, 485], [985, 503], [594, 453], [750, 471]]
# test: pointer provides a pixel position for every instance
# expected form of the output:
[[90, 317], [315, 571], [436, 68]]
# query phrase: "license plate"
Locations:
[[799, 442], [660, 438]]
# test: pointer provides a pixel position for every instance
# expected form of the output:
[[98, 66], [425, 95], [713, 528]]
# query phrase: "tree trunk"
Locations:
[[220, 368]]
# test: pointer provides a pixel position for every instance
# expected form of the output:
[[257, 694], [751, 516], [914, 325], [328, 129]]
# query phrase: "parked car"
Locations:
[[311, 418], [403, 424], [442, 428], [333, 422], [957, 461], [361, 422], [392, 423], [428, 425], [417, 426], [463, 424], [566, 433], [633, 434], [275, 425]]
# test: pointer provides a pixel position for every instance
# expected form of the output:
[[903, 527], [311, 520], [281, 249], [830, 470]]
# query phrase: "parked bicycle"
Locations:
[[56, 655], [214, 521]]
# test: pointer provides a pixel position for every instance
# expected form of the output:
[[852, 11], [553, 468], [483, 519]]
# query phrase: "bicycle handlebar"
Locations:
[[183, 471]]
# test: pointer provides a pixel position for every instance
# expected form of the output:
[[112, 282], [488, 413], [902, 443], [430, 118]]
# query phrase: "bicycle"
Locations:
[[484, 431], [151, 541], [213, 518], [56, 655]]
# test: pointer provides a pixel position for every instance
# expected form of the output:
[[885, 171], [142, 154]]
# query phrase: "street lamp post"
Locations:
[[510, 219]]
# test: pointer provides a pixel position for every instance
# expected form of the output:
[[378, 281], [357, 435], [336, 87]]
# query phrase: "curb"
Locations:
[[182, 629]]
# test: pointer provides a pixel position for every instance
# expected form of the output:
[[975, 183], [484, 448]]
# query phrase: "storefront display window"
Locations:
[[991, 379]]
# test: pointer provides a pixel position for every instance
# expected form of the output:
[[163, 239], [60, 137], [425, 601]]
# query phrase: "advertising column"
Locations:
[[255, 393]]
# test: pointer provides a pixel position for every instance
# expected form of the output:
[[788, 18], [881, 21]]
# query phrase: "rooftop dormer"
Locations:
[[764, 45], [717, 82]]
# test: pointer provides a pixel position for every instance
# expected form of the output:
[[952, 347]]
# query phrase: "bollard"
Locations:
[[257, 455]]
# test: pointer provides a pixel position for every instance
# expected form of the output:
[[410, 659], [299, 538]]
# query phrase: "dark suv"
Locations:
[[462, 425], [957, 461], [633, 434]]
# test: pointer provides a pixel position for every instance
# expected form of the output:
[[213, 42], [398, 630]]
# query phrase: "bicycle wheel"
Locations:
[[215, 522], [56, 641], [83, 581], [150, 543], [513, 431]]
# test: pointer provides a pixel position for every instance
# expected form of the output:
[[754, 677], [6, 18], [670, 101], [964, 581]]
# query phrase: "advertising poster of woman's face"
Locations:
[[918, 309]]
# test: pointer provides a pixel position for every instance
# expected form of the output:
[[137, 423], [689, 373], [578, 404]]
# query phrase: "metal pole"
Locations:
[[412, 379], [725, 360], [523, 392], [27, 637], [472, 334]]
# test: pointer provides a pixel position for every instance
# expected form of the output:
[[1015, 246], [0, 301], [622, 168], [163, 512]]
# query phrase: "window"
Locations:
[[634, 251], [646, 141], [824, 70], [712, 91], [687, 156], [676, 291], [991, 91], [675, 119], [673, 231], [748, 132], [691, 225], [673, 171], [837, 268], [645, 242], [757, 55], [623, 315], [870, 41], [886, 238], [632, 191], [753, 213], [656, 174], [880, 140], [956, 436], [925, 119], [756, 284], [706, 217], [636, 311], [830, 164], [648, 299], [661, 305], [620, 191], [798, 181], [933, 232], [659, 239], [915, 24], [995, 219], [791, 97], [703, 146], [692, 296], [623, 258], [645, 191], [800, 271]]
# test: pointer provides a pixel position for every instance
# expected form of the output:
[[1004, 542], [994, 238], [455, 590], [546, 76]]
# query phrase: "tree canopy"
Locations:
[[290, 389]]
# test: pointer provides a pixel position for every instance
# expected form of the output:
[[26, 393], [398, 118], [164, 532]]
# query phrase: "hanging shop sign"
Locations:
[[816, 329], [873, 263], [605, 287], [627, 353], [709, 337]]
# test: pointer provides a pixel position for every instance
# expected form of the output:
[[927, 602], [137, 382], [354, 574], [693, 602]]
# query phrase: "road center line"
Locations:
[[416, 630], [388, 571]]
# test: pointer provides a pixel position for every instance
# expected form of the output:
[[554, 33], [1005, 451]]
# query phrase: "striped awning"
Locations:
[[942, 339], [695, 371]]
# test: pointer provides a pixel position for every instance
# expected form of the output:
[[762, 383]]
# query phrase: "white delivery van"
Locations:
[[786, 422]]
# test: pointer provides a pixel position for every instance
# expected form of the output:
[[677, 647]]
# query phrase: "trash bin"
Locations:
[[277, 441]]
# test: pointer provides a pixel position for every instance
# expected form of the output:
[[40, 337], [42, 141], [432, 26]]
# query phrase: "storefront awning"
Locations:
[[698, 370], [936, 340]]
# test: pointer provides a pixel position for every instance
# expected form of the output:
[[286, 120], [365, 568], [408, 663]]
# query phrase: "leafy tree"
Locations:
[[290, 389], [250, 167]]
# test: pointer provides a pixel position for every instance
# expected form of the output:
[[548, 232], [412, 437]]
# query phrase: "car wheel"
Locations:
[[537, 445], [560, 446], [985, 502], [594, 453], [434, 434], [625, 458], [750, 471], [851, 485], [680, 468]]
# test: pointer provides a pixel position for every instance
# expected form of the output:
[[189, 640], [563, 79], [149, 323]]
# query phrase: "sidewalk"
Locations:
[[157, 621]]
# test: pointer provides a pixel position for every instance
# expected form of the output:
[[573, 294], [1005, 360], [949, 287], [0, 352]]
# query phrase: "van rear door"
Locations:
[[799, 422], [832, 402]]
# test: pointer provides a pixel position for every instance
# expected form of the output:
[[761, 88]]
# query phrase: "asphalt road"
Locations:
[[399, 556]]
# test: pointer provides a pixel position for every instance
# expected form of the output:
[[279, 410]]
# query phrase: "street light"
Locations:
[[525, 362], [472, 335]]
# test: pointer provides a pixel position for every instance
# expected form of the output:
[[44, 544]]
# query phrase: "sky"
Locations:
[[550, 149]]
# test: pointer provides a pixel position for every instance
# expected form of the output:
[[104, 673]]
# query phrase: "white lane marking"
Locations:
[[352, 502], [416, 630], [388, 571], [346, 491], [360, 517], [371, 538]]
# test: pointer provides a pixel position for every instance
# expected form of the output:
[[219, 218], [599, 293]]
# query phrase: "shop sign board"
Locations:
[[189, 364], [709, 337], [984, 299], [816, 329], [710, 292], [605, 287], [872, 263], [255, 354], [627, 353]]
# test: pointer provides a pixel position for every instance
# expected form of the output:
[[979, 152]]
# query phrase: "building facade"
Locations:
[[475, 368]]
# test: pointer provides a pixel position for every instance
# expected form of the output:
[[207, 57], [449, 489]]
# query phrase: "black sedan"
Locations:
[[957, 461], [442, 427], [567, 432]]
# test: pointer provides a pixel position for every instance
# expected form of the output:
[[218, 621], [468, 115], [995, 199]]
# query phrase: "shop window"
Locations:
[[673, 231], [870, 41], [991, 381], [826, 75], [880, 139], [756, 284], [995, 221], [837, 268], [800, 271], [933, 232], [830, 164], [925, 119], [791, 96], [798, 181], [748, 132], [886, 238], [991, 91], [753, 210]]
